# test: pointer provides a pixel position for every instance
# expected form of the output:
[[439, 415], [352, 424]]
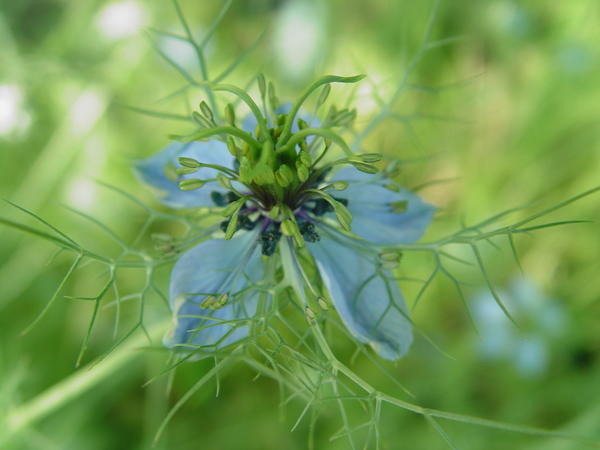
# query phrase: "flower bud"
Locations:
[[305, 158], [201, 120], [302, 172], [333, 112], [323, 303], [232, 147], [230, 114], [310, 315], [189, 162], [273, 100], [289, 227], [262, 84], [263, 175], [170, 171], [284, 175], [208, 301], [186, 170], [340, 185], [324, 94], [191, 184], [257, 130], [371, 157], [364, 167], [343, 215], [302, 124], [221, 301], [274, 213], [245, 170], [206, 111], [345, 118]]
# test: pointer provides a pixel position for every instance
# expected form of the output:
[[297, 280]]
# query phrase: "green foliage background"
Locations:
[[506, 115]]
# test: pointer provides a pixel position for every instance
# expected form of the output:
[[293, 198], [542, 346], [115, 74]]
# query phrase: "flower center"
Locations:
[[251, 216], [278, 181]]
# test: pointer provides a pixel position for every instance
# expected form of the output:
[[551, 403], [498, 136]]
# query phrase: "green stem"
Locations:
[[323, 132], [77, 384], [287, 127], [199, 50], [246, 137], [461, 418], [243, 95]]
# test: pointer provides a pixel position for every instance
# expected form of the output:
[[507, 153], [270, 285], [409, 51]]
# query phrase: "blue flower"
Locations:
[[273, 191], [540, 320]]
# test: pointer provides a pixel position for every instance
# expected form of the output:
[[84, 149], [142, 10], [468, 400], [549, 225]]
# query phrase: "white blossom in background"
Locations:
[[121, 19], [86, 110], [82, 191], [299, 37], [181, 52], [14, 119]]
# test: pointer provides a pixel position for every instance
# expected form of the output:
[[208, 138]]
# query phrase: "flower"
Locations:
[[279, 190], [540, 320]]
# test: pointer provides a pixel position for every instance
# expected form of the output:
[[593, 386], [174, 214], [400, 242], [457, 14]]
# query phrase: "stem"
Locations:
[[199, 49], [336, 366], [243, 95], [287, 126], [323, 132], [76, 384], [203, 134]]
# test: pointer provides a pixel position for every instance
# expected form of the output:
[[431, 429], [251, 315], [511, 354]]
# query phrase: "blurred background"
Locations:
[[504, 115]]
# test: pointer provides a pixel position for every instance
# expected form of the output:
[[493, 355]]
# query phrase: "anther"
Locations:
[[221, 301], [310, 315], [208, 301], [323, 304], [269, 240], [309, 232]]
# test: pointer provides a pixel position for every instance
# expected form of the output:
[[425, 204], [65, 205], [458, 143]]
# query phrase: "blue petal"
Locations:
[[157, 171], [370, 305], [214, 266], [373, 218]]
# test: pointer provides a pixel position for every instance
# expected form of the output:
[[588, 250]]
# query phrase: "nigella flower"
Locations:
[[540, 320], [282, 194]]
